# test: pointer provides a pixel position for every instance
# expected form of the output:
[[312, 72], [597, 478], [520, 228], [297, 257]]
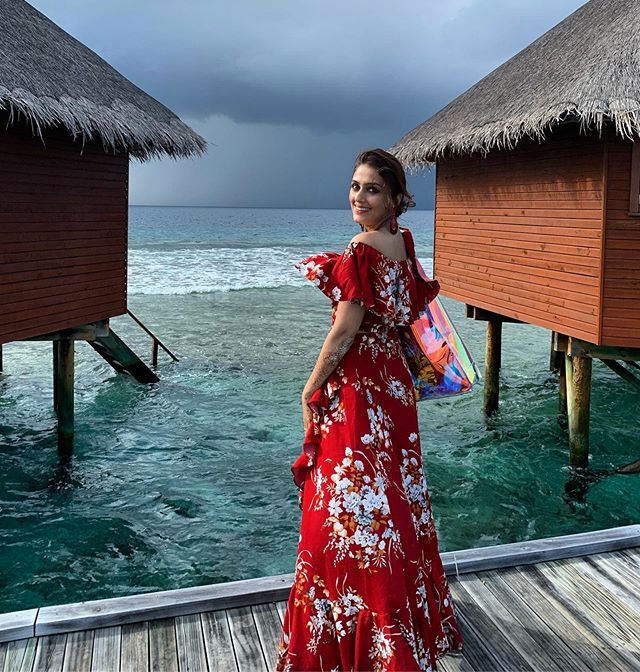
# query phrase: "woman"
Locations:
[[369, 592]]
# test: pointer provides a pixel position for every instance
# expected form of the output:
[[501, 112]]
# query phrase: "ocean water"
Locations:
[[187, 481]]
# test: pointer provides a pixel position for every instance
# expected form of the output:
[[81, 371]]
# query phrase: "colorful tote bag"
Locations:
[[439, 361]]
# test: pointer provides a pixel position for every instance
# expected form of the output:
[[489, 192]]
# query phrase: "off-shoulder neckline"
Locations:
[[382, 254]]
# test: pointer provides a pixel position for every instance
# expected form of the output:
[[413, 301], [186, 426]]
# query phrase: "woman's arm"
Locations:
[[338, 341]]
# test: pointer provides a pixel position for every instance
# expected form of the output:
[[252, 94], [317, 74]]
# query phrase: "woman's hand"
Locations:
[[307, 414]]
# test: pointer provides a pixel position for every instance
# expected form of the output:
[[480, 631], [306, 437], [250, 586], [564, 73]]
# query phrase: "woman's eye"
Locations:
[[354, 186], [373, 190]]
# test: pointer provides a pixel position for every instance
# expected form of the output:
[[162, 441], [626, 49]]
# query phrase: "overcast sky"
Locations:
[[287, 92]]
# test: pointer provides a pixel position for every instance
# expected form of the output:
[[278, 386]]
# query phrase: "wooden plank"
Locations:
[[163, 650], [3, 653], [269, 629], [540, 638], [244, 636], [587, 228], [49, 324], [479, 652], [134, 651], [539, 550], [463, 261], [281, 607], [48, 298], [623, 574], [79, 651], [607, 613], [481, 252], [87, 615], [106, 649], [450, 663], [9, 258], [569, 312], [50, 653], [132, 608], [587, 649], [490, 648], [217, 641], [569, 291], [554, 243], [67, 315], [17, 624], [20, 655], [190, 643], [541, 652]]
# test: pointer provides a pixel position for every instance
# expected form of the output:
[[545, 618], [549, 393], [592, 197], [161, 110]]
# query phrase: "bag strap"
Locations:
[[433, 286]]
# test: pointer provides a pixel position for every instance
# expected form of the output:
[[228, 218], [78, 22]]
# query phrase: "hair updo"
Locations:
[[392, 172]]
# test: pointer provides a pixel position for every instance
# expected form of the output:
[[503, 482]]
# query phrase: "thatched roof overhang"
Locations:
[[586, 69], [50, 79]]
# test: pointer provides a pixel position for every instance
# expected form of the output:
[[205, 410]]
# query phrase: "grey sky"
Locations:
[[288, 91]]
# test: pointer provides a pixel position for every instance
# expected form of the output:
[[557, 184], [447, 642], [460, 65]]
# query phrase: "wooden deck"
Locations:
[[579, 613]]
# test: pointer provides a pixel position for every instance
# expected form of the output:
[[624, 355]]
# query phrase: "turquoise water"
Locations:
[[187, 481]]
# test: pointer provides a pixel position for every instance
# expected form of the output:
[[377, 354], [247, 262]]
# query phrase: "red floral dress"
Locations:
[[370, 592]]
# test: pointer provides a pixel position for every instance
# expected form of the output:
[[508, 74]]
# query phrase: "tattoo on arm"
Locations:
[[330, 356]]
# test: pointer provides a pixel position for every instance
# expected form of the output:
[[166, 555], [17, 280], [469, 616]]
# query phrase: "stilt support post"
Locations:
[[493, 361], [578, 372], [64, 352]]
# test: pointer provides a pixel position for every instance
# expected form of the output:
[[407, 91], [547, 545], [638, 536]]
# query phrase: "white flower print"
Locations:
[[359, 517]]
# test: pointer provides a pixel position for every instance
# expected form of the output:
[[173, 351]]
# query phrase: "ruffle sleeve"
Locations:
[[341, 277]]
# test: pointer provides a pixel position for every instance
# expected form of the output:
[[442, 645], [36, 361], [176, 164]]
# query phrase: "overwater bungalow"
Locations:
[[538, 199], [69, 124]]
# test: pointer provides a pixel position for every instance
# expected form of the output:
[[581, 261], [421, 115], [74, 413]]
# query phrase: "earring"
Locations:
[[393, 225]]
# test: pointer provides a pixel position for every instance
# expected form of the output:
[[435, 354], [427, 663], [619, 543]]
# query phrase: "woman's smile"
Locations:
[[368, 197]]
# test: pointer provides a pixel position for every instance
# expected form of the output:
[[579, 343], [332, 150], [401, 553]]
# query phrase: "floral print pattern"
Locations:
[[370, 592]]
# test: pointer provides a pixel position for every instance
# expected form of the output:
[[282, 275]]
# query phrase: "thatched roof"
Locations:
[[587, 69], [50, 79]]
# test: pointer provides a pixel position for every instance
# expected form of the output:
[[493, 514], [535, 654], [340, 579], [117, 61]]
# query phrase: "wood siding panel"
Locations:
[[63, 234], [621, 295], [519, 232]]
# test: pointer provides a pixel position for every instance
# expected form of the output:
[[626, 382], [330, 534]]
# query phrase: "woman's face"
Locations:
[[369, 197]]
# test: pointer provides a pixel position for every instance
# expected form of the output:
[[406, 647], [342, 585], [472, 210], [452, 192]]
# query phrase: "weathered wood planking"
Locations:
[[50, 653], [489, 647], [106, 649], [135, 608], [163, 652], [586, 612], [587, 648], [79, 651], [541, 647], [269, 628], [134, 650], [19, 655], [190, 642], [217, 640], [17, 625], [121, 610], [244, 636]]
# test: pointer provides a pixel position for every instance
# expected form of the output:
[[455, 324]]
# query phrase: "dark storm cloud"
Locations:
[[325, 65], [288, 91]]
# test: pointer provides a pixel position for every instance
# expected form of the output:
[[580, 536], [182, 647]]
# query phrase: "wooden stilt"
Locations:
[[0, 357], [492, 373], [578, 373], [55, 376], [64, 392], [562, 407]]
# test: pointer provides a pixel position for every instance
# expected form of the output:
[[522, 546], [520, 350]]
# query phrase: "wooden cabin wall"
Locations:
[[63, 234], [519, 232], [621, 286]]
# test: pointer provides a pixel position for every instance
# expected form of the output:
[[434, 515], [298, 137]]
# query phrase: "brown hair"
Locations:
[[392, 172]]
